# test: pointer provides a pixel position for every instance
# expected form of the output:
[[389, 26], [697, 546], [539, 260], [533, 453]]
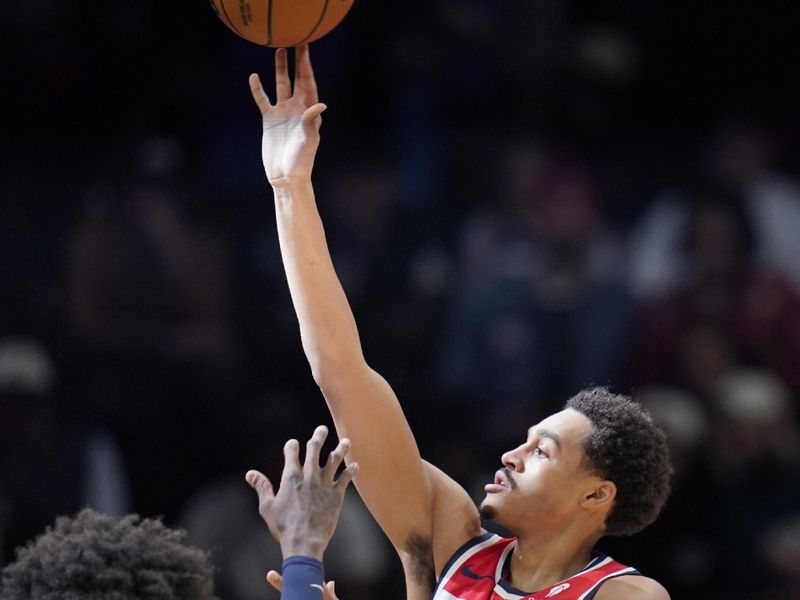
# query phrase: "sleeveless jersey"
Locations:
[[477, 571]]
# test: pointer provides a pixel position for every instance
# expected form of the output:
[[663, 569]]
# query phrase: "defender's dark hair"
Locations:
[[625, 446], [95, 557]]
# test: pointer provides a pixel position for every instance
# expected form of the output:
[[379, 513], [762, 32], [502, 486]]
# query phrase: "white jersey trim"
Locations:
[[590, 592], [498, 575]]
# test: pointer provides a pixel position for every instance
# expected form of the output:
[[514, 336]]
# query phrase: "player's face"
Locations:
[[544, 479]]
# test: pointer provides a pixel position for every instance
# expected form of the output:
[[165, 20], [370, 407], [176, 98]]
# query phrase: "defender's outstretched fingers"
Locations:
[[259, 95], [305, 84], [335, 459], [313, 447], [283, 87], [291, 465], [347, 476]]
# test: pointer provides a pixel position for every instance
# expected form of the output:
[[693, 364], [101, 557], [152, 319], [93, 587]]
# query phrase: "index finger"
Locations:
[[305, 85]]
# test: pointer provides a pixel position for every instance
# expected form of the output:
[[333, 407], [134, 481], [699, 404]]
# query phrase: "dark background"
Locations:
[[521, 198]]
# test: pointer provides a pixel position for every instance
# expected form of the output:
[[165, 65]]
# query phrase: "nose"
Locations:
[[512, 460]]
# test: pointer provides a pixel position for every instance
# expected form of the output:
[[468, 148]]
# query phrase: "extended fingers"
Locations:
[[291, 465], [259, 95], [311, 465], [335, 459], [262, 485], [283, 87], [305, 85], [347, 476]]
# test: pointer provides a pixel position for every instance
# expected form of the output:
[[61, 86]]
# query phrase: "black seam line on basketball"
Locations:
[[319, 22], [225, 12], [269, 23]]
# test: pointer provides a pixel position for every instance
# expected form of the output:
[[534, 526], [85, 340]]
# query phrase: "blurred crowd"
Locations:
[[521, 199]]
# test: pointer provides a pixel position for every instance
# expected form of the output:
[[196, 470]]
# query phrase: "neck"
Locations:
[[538, 562]]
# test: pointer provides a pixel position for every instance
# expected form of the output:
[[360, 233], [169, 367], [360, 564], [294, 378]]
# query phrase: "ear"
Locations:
[[600, 496]]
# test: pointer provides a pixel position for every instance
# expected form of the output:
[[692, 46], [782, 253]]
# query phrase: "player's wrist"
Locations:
[[303, 546], [290, 185]]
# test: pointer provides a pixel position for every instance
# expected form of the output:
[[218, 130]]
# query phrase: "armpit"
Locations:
[[419, 561]]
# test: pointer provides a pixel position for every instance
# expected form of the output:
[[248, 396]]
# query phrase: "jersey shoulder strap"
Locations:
[[473, 570]]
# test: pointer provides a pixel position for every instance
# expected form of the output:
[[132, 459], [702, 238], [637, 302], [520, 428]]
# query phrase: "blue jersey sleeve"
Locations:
[[303, 578]]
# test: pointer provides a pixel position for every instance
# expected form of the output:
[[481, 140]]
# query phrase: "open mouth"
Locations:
[[500, 484]]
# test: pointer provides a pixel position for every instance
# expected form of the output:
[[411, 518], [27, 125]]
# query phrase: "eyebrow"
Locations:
[[545, 433]]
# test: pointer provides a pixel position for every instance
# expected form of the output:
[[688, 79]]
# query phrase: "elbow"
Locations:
[[332, 372]]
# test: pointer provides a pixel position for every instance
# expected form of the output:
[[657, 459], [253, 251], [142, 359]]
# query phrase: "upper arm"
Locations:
[[425, 514], [391, 479], [632, 587], [455, 517]]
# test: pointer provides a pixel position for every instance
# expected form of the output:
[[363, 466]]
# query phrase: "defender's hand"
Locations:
[[302, 516], [291, 126], [276, 581]]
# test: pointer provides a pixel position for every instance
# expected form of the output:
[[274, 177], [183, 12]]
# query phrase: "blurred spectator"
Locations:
[[81, 465], [148, 314], [757, 465], [539, 310], [740, 161], [726, 310], [146, 273]]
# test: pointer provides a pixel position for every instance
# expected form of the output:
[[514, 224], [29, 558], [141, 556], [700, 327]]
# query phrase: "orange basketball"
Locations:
[[281, 23]]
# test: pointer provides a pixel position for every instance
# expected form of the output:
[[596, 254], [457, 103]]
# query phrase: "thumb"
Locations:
[[330, 591], [311, 118], [275, 580], [259, 482]]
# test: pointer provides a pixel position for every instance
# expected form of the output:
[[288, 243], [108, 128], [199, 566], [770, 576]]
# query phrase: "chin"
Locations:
[[488, 510]]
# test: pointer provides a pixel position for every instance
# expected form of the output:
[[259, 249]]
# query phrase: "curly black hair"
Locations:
[[93, 557], [625, 446]]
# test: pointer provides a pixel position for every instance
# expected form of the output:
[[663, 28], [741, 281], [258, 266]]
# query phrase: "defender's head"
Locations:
[[93, 557], [601, 463]]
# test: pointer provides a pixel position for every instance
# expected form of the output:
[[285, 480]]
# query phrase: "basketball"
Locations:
[[281, 23]]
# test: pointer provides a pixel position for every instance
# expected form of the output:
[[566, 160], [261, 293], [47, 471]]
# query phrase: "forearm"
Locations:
[[327, 326], [362, 404]]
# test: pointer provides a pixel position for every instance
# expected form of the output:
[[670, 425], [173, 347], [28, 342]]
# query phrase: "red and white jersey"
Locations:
[[478, 569]]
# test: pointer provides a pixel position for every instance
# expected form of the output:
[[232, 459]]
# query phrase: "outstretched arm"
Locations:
[[400, 490]]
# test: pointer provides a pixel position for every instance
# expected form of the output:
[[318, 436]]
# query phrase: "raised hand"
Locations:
[[291, 125], [302, 516]]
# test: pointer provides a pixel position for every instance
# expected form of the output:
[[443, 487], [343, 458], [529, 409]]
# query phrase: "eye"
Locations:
[[539, 452]]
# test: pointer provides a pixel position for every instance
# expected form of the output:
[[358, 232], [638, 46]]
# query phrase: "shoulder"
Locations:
[[632, 587]]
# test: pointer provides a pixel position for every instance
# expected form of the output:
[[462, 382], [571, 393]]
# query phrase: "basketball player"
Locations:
[[598, 467]]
